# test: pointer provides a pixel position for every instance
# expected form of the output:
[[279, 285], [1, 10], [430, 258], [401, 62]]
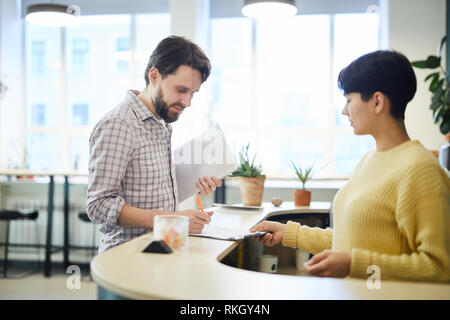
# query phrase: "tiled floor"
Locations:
[[59, 286]]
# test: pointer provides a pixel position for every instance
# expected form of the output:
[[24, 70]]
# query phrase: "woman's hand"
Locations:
[[330, 263], [206, 185], [276, 229]]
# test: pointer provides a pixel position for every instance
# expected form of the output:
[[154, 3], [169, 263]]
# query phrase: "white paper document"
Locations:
[[229, 234], [206, 155]]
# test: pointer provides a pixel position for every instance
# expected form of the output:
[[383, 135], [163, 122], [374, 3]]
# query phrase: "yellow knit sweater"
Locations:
[[393, 213]]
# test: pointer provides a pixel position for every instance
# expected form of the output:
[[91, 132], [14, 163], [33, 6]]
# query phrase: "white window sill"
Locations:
[[294, 184]]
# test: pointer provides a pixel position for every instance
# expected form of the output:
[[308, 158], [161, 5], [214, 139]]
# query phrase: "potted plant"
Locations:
[[302, 197], [251, 179], [440, 98]]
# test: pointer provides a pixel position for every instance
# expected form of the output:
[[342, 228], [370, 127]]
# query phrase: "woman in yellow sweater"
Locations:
[[394, 212]]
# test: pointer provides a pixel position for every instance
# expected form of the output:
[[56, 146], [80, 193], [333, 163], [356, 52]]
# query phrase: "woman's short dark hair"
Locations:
[[389, 72], [175, 51]]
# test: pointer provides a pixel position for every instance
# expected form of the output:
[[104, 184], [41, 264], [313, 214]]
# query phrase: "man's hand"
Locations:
[[206, 185], [276, 229], [197, 219], [330, 263]]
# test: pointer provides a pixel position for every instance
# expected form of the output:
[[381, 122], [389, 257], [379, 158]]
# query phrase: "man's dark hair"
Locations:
[[175, 51], [389, 72]]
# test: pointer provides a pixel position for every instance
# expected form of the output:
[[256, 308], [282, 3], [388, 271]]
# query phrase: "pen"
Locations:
[[199, 203]]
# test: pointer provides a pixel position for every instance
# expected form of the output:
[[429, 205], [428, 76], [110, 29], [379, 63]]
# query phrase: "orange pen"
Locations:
[[199, 203]]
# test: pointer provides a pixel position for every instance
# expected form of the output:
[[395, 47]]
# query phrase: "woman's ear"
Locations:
[[381, 102]]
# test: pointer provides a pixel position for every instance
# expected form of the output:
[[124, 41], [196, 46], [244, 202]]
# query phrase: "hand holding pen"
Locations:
[[197, 218]]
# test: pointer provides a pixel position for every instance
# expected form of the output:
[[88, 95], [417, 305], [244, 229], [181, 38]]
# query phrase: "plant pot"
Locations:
[[252, 190], [302, 197]]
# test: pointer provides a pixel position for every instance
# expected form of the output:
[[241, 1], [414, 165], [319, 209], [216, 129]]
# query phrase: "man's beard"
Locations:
[[162, 109]]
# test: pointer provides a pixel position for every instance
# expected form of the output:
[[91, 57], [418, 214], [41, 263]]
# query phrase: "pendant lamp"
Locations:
[[53, 15], [269, 8]]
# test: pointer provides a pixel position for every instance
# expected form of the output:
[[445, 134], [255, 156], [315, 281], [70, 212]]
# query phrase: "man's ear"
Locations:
[[153, 76], [381, 102]]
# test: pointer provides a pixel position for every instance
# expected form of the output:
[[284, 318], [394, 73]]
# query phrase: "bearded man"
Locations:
[[131, 169]]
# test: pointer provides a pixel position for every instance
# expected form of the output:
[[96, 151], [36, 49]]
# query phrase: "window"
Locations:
[[67, 93], [80, 54], [122, 54], [38, 114], [38, 55], [280, 92], [80, 116]]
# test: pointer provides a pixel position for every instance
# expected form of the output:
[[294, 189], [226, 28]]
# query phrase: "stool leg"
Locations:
[[38, 242], [5, 261]]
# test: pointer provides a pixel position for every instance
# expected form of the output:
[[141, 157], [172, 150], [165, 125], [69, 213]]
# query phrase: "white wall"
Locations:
[[416, 28]]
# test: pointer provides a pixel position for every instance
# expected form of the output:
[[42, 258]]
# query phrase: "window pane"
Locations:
[[303, 151], [150, 30], [43, 76], [349, 149], [350, 43], [79, 154], [231, 73], [293, 72], [42, 151], [97, 67], [293, 90], [80, 114]]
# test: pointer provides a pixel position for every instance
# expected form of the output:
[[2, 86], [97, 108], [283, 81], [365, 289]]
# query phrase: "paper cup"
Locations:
[[268, 263]]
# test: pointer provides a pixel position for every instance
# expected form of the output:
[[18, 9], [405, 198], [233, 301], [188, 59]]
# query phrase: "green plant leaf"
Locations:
[[437, 92], [434, 75], [433, 62], [434, 83], [434, 105], [447, 96], [444, 39], [437, 114], [422, 64], [245, 168], [439, 87]]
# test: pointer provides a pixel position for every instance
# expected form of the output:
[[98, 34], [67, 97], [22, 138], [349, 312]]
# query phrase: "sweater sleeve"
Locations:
[[422, 215], [313, 240]]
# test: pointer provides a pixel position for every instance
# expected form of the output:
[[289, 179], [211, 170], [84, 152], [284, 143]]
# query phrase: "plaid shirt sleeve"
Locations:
[[111, 147]]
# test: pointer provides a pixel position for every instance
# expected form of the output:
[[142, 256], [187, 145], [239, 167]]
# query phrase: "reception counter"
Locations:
[[197, 273]]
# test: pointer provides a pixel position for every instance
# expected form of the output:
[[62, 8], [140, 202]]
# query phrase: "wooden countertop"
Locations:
[[196, 272]]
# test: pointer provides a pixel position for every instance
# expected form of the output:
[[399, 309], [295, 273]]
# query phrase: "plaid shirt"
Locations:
[[130, 162]]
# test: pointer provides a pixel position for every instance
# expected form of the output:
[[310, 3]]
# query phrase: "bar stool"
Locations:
[[8, 216]]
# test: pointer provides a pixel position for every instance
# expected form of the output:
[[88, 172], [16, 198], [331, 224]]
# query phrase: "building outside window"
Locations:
[[80, 114], [80, 54]]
